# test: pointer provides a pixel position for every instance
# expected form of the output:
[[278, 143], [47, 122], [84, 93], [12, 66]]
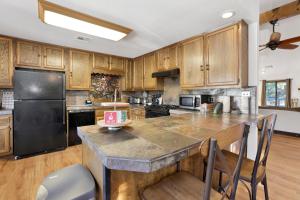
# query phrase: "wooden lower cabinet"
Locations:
[[137, 113], [6, 140], [80, 70], [192, 66], [6, 63]]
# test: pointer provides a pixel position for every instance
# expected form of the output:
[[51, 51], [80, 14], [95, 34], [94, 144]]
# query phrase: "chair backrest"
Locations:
[[233, 176], [265, 137]]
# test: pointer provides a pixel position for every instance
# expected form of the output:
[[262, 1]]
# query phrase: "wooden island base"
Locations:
[[125, 184]]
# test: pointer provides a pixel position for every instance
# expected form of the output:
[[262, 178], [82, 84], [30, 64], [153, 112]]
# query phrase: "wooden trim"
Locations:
[[287, 133], [45, 5], [282, 12], [280, 108]]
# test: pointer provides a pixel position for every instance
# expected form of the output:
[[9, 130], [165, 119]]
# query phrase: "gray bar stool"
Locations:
[[73, 182]]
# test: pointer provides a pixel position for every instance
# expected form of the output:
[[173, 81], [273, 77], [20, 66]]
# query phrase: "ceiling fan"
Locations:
[[275, 42]]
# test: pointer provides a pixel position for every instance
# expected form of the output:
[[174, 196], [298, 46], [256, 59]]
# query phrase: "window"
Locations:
[[276, 93]]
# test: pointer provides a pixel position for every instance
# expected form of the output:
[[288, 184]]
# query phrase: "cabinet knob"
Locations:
[[202, 68]]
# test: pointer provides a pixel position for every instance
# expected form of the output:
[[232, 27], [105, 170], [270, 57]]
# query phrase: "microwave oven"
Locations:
[[188, 101]]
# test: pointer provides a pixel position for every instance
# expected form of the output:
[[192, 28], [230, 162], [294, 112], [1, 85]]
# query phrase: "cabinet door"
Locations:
[[172, 61], [192, 69], [127, 79], [101, 61], [4, 139], [149, 68], [6, 62], [222, 57], [29, 54], [80, 70], [54, 57], [162, 55], [138, 75], [116, 64], [129, 75]]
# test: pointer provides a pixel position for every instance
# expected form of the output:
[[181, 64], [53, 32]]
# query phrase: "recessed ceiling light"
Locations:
[[228, 14], [59, 16]]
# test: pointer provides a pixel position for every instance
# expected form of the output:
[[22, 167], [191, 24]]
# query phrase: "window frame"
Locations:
[[288, 93]]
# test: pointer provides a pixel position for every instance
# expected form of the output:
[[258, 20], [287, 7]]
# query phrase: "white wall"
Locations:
[[282, 64]]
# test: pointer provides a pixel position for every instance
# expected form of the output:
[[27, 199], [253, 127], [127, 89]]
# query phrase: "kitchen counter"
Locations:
[[150, 144], [6, 112], [126, 161], [89, 107]]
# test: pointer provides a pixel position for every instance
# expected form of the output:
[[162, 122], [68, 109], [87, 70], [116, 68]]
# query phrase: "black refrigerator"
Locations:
[[39, 112]]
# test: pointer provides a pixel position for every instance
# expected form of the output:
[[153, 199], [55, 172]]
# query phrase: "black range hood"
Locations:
[[173, 73]]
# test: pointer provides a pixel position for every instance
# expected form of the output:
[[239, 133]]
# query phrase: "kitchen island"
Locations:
[[128, 160]]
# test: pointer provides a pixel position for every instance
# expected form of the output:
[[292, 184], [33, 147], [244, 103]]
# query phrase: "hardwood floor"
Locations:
[[19, 179]]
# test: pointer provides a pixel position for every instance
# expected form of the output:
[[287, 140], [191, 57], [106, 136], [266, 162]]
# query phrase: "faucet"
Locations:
[[115, 95]]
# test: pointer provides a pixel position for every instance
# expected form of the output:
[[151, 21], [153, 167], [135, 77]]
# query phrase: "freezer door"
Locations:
[[39, 126], [38, 85]]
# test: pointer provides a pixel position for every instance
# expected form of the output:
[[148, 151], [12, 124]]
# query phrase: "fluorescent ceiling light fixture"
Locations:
[[227, 14], [59, 16]]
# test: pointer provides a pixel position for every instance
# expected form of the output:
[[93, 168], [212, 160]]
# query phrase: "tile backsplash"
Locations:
[[103, 86], [7, 98]]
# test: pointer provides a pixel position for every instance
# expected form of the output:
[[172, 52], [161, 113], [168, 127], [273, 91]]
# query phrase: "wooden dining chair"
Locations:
[[183, 186], [254, 172]]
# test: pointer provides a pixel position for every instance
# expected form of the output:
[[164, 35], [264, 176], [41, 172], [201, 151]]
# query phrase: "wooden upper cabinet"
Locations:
[[6, 63], [80, 70], [150, 66], [116, 63], [192, 67], [53, 57], [29, 54], [172, 57], [101, 61], [138, 74], [127, 79], [222, 57], [167, 58], [162, 55]]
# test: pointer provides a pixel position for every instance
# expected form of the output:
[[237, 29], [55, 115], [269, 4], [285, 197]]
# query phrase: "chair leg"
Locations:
[[253, 191], [264, 182], [204, 172], [220, 179]]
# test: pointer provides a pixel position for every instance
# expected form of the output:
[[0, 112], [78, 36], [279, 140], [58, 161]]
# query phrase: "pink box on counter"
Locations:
[[115, 117]]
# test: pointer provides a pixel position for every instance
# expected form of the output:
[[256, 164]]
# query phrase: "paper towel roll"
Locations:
[[226, 104]]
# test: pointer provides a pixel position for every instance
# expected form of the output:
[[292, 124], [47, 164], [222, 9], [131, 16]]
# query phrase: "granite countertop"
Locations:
[[150, 144], [5, 112], [87, 107]]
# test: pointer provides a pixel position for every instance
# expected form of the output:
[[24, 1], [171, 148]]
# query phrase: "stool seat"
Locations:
[[73, 182]]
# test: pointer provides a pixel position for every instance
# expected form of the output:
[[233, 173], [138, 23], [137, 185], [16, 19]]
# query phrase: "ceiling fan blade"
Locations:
[[287, 46], [263, 49], [291, 40], [275, 37], [263, 45]]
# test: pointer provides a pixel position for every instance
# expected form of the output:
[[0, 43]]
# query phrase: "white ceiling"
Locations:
[[266, 5], [156, 23]]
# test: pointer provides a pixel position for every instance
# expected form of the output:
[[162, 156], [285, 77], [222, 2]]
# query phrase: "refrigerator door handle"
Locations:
[[64, 113]]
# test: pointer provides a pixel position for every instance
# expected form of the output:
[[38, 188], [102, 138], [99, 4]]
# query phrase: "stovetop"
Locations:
[[159, 110]]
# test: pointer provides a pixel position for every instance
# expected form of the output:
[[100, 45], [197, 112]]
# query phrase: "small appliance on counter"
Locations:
[[194, 102]]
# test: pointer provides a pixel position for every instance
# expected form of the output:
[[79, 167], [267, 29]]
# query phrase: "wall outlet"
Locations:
[[246, 94]]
